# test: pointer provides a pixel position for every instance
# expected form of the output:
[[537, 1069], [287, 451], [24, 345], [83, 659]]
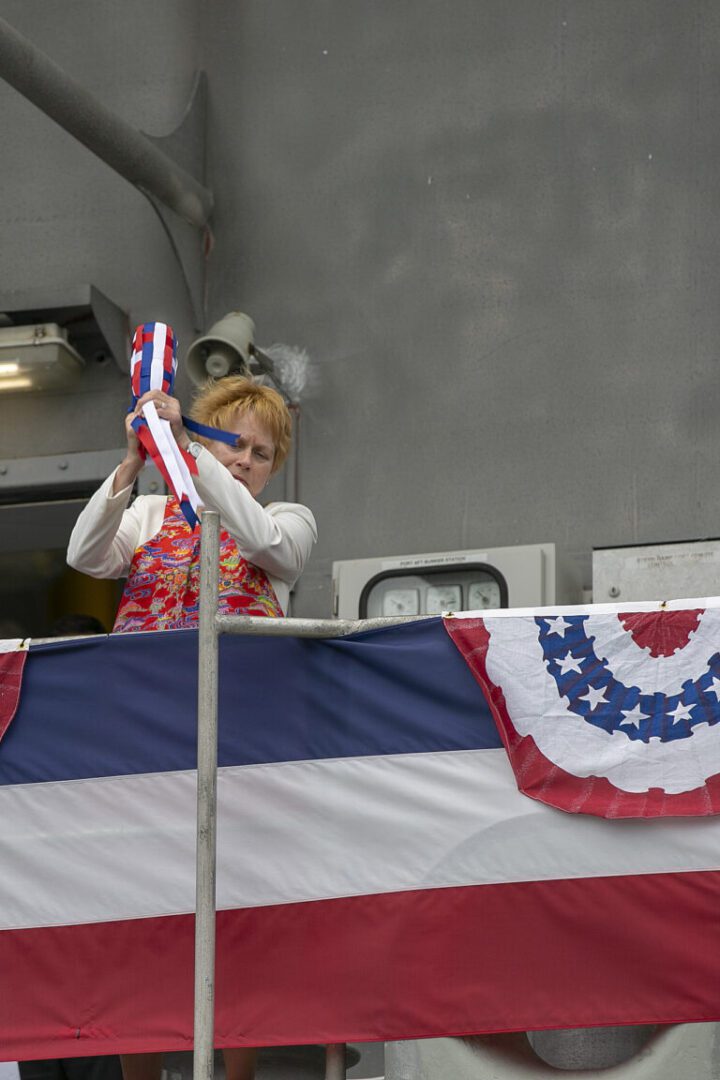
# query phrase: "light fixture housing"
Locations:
[[37, 358]]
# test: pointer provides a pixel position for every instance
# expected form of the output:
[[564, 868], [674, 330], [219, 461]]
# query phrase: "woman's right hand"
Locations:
[[129, 468], [133, 443]]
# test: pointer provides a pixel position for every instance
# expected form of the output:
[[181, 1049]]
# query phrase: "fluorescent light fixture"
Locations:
[[37, 357], [21, 383]]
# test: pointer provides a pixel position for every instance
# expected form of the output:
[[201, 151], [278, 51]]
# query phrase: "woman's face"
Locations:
[[251, 461]]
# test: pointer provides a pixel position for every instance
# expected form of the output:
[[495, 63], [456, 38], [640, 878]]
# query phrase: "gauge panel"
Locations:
[[433, 591]]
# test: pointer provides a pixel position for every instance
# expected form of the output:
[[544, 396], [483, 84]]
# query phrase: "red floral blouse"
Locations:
[[162, 588]]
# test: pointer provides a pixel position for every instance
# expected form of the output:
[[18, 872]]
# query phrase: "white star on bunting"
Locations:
[[634, 716], [569, 663], [681, 712], [596, 696]]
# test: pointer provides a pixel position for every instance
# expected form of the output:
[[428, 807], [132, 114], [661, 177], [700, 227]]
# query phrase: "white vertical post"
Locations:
[[204, 1027]]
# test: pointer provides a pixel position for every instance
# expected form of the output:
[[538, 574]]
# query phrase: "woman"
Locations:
[[262, 549]]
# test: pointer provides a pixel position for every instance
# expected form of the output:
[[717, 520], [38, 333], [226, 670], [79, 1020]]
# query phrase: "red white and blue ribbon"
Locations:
[[153, 365]]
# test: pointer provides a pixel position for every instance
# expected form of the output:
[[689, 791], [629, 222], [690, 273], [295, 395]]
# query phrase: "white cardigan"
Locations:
[[278, 538]]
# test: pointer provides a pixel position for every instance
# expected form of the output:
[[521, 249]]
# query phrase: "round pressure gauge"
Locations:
[[484, 594], [401, 602], [443, 598]]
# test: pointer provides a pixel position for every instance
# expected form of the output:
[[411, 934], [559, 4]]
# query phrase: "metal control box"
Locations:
[[531, 575], [657, 571]]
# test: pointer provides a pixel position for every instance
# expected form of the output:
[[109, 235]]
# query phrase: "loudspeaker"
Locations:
[[224, 350]]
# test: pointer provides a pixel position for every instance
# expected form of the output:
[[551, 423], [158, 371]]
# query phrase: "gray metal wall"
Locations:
[[492, 223], [66, 218]]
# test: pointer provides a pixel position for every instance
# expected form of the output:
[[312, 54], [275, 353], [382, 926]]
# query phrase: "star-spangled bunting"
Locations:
[[601, 711]]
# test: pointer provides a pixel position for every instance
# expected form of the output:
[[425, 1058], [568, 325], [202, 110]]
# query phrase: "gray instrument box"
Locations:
[[657, 571]]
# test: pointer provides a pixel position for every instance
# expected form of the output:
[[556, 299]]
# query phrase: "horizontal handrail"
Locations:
[[306, 628]]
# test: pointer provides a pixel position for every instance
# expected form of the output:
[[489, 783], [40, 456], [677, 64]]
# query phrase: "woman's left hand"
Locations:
[[168, 408]]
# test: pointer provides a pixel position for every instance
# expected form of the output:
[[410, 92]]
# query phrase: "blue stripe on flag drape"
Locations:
[[100, 707]]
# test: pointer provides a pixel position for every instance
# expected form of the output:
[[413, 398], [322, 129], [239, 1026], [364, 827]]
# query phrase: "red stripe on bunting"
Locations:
[[12, 665], [543, 780], [547, 954]]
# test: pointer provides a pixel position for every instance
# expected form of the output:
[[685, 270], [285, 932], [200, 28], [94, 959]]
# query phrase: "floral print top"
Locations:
[[162, 589]]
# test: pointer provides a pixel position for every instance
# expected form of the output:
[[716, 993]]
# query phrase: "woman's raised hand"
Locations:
[[168, 408], [128, 469]]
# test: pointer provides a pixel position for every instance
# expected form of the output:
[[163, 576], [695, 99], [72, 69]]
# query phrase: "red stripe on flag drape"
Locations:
[[478, 959]]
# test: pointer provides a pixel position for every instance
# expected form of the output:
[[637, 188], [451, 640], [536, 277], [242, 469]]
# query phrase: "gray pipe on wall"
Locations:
[[117, 143]]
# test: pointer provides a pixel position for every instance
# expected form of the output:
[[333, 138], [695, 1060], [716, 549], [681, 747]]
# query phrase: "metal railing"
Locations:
[[211, 625]]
